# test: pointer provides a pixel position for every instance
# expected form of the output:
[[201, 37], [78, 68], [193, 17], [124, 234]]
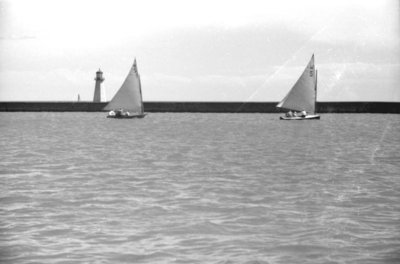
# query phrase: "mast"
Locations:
[[140, 86], [141, 96], [316, 81], [316, 84]]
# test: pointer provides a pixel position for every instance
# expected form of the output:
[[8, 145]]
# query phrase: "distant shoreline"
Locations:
[[201, 107]]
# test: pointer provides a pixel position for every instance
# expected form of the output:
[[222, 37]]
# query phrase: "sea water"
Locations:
[[199, 188]]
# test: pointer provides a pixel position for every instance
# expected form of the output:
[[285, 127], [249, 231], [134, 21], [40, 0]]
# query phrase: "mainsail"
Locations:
[[129, 96], [303, 94]]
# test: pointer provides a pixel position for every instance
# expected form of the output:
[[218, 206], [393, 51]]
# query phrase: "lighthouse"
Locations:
[[97, 88]]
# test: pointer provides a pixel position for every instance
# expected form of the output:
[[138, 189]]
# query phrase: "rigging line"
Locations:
[[281, 67]]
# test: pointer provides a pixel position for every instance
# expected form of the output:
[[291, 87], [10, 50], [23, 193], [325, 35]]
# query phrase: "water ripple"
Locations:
[[199, 188]]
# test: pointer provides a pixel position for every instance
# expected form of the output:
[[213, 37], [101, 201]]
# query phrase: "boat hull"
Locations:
[[126, 116], [308, 117]]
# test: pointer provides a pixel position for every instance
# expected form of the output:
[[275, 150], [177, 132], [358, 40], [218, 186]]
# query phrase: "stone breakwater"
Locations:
[[202, 107]]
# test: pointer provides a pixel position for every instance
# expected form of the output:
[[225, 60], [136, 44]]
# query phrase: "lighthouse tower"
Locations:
[[97, 88]]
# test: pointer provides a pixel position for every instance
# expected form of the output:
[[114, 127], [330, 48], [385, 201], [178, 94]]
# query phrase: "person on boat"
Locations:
[[289, 114], [295, 114], [118, 112], [303, 113]]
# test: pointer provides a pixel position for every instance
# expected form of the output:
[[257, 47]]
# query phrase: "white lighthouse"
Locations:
[[97, 88]]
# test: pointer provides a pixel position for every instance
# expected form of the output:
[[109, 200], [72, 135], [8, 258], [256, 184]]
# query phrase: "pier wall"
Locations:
[[202, 107], [51, 106]]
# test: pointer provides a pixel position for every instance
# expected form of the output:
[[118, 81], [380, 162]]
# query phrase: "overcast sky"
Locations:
[[208, 50]]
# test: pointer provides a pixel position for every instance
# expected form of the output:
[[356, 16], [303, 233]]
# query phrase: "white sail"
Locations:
[[303, 94], [129, 96]]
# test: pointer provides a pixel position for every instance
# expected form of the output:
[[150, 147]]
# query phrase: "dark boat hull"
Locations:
[[126, 116], [308, 117]]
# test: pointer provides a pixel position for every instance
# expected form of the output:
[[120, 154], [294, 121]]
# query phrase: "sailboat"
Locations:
[[127, 102], [302, 97]]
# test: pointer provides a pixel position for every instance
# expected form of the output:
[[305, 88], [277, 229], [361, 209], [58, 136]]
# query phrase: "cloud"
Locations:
[[60, 85], [363, 25], [337, 82], [199, 88], [359, 82], [209, 50]]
